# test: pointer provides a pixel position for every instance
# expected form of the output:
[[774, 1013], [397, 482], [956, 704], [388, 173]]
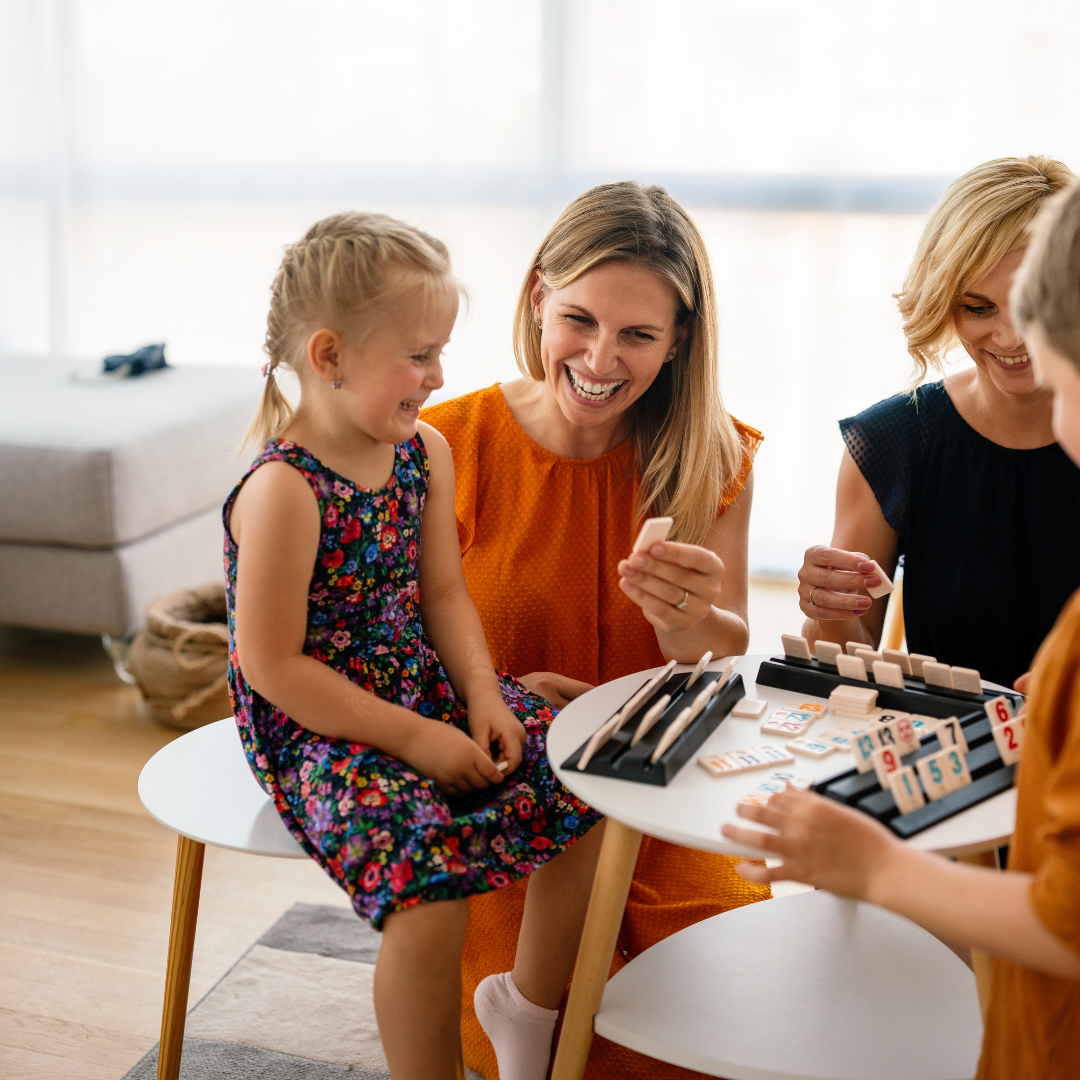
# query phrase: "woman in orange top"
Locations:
[[1029, 917], [618, 418]]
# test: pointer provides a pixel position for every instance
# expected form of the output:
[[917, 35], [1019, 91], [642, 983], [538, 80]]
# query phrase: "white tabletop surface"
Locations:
[[691, 809], [809, 987], [201, 786]]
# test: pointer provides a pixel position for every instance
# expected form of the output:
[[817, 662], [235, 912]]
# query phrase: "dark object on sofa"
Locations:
[[148, 358]]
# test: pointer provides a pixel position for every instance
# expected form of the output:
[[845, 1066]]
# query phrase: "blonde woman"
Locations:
[[618, 417], [961, 478]]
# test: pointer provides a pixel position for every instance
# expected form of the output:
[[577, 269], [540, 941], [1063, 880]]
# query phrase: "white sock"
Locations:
[[519, 1030]]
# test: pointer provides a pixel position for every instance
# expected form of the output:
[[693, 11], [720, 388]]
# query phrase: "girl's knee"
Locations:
[[438, 925]]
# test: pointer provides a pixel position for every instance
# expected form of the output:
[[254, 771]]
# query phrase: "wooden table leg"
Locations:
[[185, 912], [614, 871], [982, 963]]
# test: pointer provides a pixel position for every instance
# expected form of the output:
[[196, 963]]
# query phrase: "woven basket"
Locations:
[[180, 660]]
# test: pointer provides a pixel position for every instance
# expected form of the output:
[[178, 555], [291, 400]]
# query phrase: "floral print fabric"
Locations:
[[387, 835]]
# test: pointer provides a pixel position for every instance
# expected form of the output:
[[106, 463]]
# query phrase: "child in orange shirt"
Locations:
[[1029, 917]]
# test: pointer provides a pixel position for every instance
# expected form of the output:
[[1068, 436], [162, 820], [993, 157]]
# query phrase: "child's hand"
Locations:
[[491, 721], [822, 843], [446, 755]]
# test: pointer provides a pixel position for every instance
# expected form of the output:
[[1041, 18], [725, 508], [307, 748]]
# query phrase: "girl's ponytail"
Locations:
[[273, 415]]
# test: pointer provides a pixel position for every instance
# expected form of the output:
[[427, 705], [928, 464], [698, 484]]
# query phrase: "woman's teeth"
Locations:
[[592, 391], [1012, 361]]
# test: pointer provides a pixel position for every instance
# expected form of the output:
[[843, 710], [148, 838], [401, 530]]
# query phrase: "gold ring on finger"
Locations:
[[810, 598], [685, 601]]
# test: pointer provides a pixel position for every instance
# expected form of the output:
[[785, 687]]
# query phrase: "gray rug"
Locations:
[[296, 1006]]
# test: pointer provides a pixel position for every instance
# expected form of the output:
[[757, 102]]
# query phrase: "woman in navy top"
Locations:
[[962, 479]]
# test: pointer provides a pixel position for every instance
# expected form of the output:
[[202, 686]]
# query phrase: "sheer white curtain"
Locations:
[[155, 158]]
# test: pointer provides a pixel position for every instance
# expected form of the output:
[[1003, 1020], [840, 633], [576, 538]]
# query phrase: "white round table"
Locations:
[[691, 809], [720, 961]]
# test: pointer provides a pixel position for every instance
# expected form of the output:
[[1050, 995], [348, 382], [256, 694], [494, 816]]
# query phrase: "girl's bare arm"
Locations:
[[275, 524]]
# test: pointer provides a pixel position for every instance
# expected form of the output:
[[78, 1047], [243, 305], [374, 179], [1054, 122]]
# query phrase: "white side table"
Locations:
[[202, 788], [690, 811]]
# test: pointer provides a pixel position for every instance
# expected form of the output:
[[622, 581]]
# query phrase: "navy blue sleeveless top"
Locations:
[[990, 537]]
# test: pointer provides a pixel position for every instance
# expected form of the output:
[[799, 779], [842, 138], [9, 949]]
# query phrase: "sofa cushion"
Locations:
[[97, 464], [84, 591]]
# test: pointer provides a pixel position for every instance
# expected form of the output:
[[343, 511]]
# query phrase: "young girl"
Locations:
[[1028, 917], [361, 681]]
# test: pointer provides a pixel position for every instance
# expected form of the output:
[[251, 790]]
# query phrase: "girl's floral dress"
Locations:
[[387, 835]]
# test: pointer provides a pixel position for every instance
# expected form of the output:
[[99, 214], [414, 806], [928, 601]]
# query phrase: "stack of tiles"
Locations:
[[1007, 729], [854, 702], [735, 761]]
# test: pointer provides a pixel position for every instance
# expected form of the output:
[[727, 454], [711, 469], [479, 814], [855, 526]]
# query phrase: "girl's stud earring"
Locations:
[[538, 326], [671, 356], [336, 384]]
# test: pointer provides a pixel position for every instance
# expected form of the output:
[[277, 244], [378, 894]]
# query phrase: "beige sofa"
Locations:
[[111, 492]]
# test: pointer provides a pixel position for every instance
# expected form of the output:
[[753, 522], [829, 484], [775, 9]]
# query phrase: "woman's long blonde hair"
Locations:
[[982, 216], [345, 272], [688, 451]]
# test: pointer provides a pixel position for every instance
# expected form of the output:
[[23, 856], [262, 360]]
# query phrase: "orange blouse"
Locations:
[[541, 538], [1033, 1023]]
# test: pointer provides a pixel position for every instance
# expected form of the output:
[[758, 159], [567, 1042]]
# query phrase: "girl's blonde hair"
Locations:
[[345, 272], [688, 451], [982, 216], [1046, 290]]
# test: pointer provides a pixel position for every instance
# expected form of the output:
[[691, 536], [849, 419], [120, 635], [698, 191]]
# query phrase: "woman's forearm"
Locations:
[[721, 632], [985, 909]]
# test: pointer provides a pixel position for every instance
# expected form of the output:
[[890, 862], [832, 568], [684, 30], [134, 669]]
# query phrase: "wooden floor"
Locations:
[[86, 874]]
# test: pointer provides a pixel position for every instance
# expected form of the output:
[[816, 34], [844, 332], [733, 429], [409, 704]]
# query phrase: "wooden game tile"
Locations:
[[954, 765], [868, 656], [1009, 738], [937, 674], [827, 652], [718, 764], [854, 696], [886, 585], [795, 645], [999, 709], [897, 656], [863, 747], [756, 798], [966, 679], [923, 725], [934, 781], [838, 738], [796, 781], [851, 667], [906, 737], [950, 733], [854, 714], [749, 708], [904, 785], [791, 728], [810, 747], [917, 660], [888, 674], [885, 760], [851, 646], [815, 707], [773, 755]]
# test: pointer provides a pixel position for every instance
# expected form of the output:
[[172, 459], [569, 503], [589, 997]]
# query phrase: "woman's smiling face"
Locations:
[[987, 333], [604, 338]]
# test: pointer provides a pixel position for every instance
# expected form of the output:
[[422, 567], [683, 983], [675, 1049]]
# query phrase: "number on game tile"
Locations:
[[905, 789], [1010, 740]]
